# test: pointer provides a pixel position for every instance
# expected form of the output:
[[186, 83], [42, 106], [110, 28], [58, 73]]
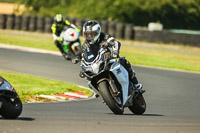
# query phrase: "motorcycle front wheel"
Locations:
[[139, 105], [11, 108], [113, 102]]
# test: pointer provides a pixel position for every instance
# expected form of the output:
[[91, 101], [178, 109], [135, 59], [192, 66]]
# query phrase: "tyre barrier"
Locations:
[[18, 22], [33, 23], [3, 21], [25, 23], [72, 20], [10, 21], [112, 28], [40, 24], [120, 30], [128, 31], [166, 36], [104, 26], [48, 22], [43, 24], [79, 24]]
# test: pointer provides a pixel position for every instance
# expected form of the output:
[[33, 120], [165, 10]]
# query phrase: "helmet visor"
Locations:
[[89, 35]]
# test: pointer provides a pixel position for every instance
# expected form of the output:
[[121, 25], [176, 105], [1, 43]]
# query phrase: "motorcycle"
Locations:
[[109, 79], [10, 103], [71, 43]]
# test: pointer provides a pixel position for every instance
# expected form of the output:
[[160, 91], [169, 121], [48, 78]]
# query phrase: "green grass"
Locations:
[[183, 58], [27, 39], [28, 86]]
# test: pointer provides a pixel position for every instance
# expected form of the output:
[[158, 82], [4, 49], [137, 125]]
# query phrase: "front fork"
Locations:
[[116, 92]]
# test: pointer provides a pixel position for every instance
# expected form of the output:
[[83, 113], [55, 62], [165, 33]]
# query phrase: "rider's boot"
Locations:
[[136, 83], [132, 77], [134, 80]]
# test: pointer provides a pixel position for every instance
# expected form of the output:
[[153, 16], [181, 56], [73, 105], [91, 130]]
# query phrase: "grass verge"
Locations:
[[29, 87], [164, 56], [27, 39]]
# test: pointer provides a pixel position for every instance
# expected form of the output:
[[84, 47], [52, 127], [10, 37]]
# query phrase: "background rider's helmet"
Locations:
[[58, 19], [91, 31]]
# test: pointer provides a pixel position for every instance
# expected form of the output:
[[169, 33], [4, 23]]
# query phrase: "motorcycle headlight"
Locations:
[[95, 68]]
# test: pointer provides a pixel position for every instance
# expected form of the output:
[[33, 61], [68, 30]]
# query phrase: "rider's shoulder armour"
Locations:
[[67, 22]]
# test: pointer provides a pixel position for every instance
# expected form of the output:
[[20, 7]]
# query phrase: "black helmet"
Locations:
[[91, 31]]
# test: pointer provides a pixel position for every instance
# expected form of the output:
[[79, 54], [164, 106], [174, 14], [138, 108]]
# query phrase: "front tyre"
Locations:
[[139, 105], [113, 102], [11, 108]]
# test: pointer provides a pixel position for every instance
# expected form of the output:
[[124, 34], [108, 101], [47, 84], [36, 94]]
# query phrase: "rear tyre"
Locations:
[[114, 103], [11, 108], [139, 105]]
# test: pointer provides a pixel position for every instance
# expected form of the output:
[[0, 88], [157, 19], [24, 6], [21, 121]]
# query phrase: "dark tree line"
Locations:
[[180, 14]]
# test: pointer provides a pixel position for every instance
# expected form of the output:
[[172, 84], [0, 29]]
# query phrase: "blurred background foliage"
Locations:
[[178, 14]]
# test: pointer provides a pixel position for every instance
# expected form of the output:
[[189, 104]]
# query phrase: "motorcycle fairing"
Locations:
[[4, 85], [6, 89], [70, 34], [122, 76]]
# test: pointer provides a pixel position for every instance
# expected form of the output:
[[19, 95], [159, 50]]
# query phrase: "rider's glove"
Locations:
[[60, 39], [106, 44], [75, 60], [115, 54]]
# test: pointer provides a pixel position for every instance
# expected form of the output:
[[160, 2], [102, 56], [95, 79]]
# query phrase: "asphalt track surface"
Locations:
[[172, 99]]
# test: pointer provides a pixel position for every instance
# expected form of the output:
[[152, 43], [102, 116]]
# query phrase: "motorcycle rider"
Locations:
[[57, 27], [95, 39]]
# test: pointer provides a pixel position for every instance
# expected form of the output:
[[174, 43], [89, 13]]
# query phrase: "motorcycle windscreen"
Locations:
[[4, 85], [70, 34]]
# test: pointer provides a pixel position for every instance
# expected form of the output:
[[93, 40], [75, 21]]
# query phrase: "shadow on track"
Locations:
[[152, 115], [140, 115], [20, 118]]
